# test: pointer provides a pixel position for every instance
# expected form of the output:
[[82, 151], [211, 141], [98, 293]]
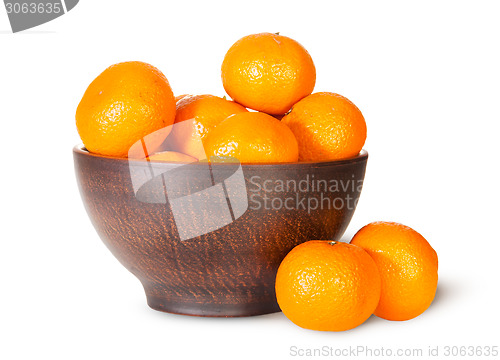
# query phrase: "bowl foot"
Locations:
[[212, 309]]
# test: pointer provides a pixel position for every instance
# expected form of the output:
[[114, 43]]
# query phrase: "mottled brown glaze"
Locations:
[[227, 272]]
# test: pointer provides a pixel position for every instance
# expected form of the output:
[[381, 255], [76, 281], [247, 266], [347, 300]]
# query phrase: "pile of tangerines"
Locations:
[[270, 74], [388, 269]]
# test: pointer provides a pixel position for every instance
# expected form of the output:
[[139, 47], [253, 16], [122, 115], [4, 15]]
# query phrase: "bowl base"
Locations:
[[210, 309]]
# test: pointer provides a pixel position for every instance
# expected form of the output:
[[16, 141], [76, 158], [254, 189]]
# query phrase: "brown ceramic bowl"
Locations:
[[210, 245]]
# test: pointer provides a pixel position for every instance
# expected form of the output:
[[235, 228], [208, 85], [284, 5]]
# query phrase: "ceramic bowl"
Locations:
[[207, 239]]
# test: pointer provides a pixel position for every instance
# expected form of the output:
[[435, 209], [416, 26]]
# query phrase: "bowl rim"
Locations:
[[362, 156]]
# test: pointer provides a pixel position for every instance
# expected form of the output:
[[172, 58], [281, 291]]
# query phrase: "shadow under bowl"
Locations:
[[207, 239]]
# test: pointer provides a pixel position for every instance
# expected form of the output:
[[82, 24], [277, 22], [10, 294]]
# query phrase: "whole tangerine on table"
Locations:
[[206, 112], [327, 285], [268, 72], [252, 137], [408, 268], [125, 103], [327, 126]]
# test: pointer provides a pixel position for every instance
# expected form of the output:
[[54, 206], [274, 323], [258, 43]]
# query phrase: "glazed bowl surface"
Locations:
[[207, 239]]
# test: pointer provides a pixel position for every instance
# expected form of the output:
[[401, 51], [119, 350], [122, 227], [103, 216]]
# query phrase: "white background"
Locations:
[[426, 76]]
